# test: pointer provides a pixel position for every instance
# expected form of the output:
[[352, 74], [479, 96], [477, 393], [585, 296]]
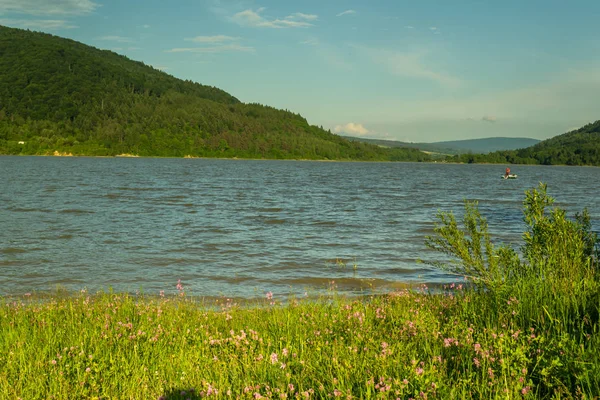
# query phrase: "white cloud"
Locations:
[[38, 24], [213, 49], [48, 7], [408, 65], [213, 39], [308, 17], [489, 118], [118, 39], [352, 129], [347, 12], [409, 27], [254, 19]]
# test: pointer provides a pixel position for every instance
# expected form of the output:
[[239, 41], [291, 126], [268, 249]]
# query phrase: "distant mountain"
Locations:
[[487, 145], [578, 147], [61, 96], [484, 145]]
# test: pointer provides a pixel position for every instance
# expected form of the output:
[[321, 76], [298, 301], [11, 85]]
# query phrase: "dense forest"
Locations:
[[578, 147], [58, 95]]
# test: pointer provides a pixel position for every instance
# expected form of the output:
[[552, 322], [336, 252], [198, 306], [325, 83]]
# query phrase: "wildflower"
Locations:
[[274, 358], [88, 369], [525, 390], [283, 365], [269, 295], [419, 371], [285, 352], [179, 285], [476, 362], [53, 362], [337, 393], [290, 387]]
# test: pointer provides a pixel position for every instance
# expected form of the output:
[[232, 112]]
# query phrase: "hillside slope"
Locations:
[[58, 95], [578, 147]]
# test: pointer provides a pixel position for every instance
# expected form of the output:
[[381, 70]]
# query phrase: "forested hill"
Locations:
[[578, 147], [58, 95]]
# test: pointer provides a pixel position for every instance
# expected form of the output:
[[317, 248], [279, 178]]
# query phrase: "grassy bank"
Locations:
[[524, 325]]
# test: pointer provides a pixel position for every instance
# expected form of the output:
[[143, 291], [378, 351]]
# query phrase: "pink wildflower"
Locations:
[[269, 295]]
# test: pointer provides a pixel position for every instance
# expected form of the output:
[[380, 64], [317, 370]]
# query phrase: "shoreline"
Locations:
[[286, 159]]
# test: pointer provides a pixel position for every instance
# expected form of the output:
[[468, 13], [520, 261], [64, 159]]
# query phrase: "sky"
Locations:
[[415, 71]]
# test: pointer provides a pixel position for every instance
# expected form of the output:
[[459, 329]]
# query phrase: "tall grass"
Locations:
[[521, 327]]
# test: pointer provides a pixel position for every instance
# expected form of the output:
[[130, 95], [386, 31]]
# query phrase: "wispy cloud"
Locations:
[[307, 17], [254, 19], [310, 42], [213, 49], [213, 39], [408, 65], [118, 39], [214, 44], [351, 128], [489, 118], [435, 30], [39, 24], [573, 93], [347, 12], [48, 7]]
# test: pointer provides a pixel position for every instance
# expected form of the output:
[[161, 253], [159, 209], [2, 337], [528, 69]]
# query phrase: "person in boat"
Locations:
[[507, 172]]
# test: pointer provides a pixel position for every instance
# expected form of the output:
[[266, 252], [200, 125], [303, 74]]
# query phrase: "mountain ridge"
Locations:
[[463, 146]]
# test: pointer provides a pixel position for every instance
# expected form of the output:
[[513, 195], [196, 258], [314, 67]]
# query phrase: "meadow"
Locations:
[[518, 324]]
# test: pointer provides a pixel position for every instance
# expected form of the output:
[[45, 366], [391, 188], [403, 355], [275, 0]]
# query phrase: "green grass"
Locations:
[[523, 329]]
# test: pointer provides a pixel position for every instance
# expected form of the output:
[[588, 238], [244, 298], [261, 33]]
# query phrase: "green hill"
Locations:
[[578, 147], [58, 95]]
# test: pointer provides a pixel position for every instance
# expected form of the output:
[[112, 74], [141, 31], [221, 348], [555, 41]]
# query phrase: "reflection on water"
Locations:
[[242, 228]]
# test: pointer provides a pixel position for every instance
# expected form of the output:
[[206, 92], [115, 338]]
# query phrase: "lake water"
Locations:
[[242, 228]]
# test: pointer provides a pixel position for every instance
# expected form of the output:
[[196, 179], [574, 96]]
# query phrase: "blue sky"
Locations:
[[425, 70]]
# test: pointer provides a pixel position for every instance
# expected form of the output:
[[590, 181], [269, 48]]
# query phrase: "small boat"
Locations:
[[509, 176]]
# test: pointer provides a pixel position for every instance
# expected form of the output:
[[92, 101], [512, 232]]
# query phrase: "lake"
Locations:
[[241, 228]]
